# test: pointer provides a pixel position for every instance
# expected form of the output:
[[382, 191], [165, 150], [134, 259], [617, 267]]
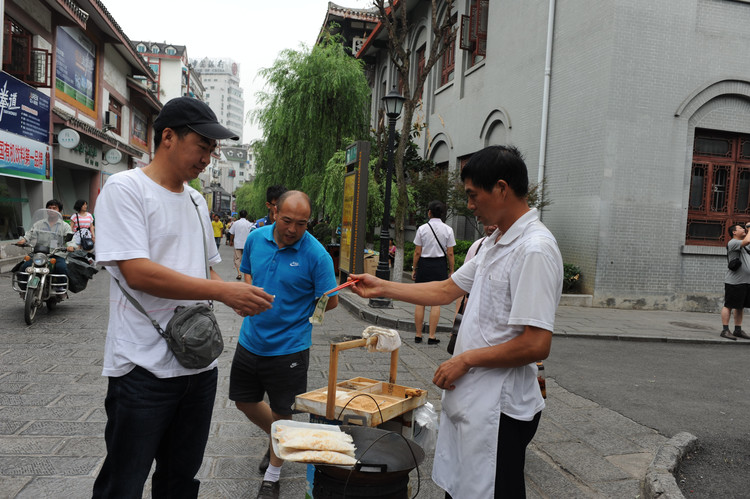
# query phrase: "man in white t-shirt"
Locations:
[[492, 402], [158, 409], [238, 234]]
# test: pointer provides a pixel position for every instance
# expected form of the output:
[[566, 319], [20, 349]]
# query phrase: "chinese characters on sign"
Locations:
[[22, 157], [25, 149], [23, 109]]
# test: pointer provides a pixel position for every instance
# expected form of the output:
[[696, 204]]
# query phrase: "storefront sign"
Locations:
[[75, 66], [24, 158], [68, 138], [23, 109], [113, 156]]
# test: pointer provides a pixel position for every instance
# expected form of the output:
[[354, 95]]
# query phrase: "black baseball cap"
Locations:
[[196, 115]]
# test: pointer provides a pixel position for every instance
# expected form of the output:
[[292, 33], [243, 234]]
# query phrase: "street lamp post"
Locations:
[[393, 102]]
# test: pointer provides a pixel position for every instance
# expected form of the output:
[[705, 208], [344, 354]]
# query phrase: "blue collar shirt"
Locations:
[[296, 275]]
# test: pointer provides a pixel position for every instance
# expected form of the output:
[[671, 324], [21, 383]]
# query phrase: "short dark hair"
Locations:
[[437, 208], [494, 163], [274, 192], [79, 204], [181, 131], [243, 213], [54, 202]]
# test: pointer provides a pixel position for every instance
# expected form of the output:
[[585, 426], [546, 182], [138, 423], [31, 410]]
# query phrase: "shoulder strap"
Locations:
[[135, 302], [438, 240], [140, 308], [203, 236]]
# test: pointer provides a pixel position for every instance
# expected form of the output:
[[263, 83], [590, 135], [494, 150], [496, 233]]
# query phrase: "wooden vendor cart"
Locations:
[[363, 401]]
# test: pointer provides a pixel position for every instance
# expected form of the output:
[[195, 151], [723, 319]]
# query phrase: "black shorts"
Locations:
[[737, 296], [432, 269], [282, 377]]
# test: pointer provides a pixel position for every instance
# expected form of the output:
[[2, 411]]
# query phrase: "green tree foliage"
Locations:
[[196, 184], [251, 196], [315, 99]]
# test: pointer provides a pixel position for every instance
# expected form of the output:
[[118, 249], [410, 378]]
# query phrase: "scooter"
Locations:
[[37, 284]]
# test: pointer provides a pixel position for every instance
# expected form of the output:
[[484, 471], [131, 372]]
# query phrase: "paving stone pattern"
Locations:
[[52, 419]]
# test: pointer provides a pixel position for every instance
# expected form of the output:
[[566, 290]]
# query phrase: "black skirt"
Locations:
[[432, 269]]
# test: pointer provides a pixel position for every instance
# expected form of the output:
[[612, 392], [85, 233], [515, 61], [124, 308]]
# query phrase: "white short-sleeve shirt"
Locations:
[[240, 229], [429, 243], [514, 282], [138, 218]]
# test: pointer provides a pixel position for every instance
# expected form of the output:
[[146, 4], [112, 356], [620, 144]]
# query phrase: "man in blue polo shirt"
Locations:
[[274, 347]]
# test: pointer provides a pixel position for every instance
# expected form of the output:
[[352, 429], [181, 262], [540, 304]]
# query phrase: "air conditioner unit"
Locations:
[[110, 119]]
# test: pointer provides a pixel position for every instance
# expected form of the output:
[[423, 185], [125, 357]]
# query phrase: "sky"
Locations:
[[251, 32]]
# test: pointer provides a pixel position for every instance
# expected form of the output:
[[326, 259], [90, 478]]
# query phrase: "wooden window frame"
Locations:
[[21, 59], [474, 31], [116, 108], [448, 64], [420, 67], [723, 199]]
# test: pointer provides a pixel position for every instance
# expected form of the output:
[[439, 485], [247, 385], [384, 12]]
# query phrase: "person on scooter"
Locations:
[[53, 224]]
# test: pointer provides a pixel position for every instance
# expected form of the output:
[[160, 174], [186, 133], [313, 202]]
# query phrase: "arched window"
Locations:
[[170, 51], [141, 48], [154, 49]]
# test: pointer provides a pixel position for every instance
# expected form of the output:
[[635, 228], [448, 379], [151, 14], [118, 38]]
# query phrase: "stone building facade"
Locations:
[[636, 113]]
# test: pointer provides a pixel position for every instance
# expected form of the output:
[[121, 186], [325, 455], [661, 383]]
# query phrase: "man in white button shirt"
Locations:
[[238, 234], [492, 402]]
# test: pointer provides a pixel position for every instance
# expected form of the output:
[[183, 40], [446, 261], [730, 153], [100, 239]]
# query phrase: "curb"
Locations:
[[660, 481], [370, 315], [650, 339]]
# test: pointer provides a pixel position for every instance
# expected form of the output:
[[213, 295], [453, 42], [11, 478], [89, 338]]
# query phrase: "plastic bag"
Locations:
[[426, 427]]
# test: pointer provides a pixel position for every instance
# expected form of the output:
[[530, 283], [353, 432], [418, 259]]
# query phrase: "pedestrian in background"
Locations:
[[82, 222], [433, 261], [273, 194], [218, 228], [238, 233], [228, 225], [492, 402], [736, 282], [157, 409]]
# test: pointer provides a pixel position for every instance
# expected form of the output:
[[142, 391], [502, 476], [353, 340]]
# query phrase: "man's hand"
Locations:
[[449, 371], [245, 299], [21, 242], [368, 286]]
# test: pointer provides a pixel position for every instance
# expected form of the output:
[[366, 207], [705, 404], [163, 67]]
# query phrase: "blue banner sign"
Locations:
[[24, 158], [23, 109]]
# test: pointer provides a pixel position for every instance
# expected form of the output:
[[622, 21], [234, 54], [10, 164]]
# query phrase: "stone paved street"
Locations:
[[52, 397]]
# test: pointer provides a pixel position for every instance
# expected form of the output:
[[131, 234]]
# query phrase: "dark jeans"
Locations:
[[513, 438], [152, 418]]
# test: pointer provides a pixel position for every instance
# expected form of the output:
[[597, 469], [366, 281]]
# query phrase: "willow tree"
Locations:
[[314, 99], [393, 17]]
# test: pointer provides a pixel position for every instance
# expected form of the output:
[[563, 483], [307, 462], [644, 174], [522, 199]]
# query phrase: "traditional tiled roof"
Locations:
[[370, 15]]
